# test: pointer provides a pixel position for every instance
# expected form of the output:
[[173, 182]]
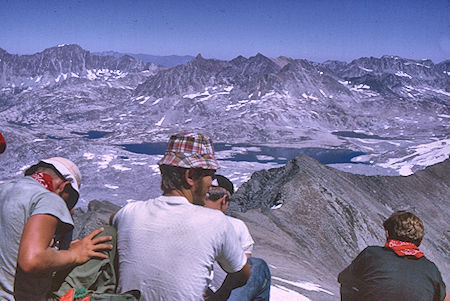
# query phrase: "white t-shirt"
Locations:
[[246, 243], [244, 235], [167, 247]]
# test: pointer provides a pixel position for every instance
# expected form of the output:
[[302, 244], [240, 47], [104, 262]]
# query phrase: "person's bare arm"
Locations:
[[232, 281], [111, 218], [36, 255], [447, 296]]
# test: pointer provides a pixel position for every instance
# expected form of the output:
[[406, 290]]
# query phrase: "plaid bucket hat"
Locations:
[[190, 151]]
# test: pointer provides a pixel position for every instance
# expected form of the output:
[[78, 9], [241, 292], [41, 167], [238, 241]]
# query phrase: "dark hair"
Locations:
[[405, 226], [215, 193], [173, 177]]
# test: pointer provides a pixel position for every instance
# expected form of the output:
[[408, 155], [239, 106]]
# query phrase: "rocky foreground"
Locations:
[[309, 220]]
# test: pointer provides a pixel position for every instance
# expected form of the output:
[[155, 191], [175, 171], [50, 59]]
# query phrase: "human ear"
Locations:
[[59, 188], [188, 177], [223, 203]]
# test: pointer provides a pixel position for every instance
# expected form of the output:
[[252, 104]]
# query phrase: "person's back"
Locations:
[[167, 245], [397, 271], [258, 285], [18, 200], [380, 274], [32, 211]]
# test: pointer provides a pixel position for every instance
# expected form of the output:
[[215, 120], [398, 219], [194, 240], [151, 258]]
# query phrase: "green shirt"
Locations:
[[19, 200]]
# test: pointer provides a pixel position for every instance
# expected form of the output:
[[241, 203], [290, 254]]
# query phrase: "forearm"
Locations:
[[36, 256], [46, 261], [225, 290], [233, 281], [447, 296]]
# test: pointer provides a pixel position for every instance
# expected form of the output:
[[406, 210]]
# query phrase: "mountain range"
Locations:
[[395, 110]]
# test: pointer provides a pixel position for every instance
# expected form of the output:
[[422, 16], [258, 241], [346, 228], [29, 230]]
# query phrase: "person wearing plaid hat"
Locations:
[[258, 285], [32, 210], [167, 246]]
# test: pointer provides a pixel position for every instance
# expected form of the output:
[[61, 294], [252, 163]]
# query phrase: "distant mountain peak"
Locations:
[[65, 47], [238, 60], [199, 57]]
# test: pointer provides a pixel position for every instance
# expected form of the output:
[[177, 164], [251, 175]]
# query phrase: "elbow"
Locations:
[[30, 264], [244, 274], [241, 282]]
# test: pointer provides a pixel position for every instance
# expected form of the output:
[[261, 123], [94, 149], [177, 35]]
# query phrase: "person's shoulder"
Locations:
[[132, 206], [237, 223], [234, 220], [430, 264], [36, 191], [373, 251], [209, 212]]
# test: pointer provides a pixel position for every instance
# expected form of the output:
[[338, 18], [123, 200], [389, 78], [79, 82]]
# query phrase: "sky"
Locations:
[[316, 30]]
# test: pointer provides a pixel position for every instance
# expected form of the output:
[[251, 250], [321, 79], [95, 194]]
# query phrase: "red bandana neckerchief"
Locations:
[[402, 248], [45, 179]]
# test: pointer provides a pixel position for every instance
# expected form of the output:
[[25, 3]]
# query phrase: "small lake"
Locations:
[[92, 134], [256, 153], [351, 134]]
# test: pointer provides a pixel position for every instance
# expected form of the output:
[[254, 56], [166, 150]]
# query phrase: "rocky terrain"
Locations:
[[309, 220], [396, 110]]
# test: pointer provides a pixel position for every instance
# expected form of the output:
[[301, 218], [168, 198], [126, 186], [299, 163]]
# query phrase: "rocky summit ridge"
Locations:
[[309, 220]]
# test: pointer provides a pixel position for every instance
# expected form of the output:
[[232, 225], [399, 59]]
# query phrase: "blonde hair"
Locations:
[[215, 193], [405, 226]]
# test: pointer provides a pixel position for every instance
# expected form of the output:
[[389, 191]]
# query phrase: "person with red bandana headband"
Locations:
[[397, 271], [2, 144], [33, 210]]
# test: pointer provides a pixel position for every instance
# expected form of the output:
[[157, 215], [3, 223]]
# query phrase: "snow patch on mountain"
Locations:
[[304, 285], [111, 186], [156, 101], [421, 155], [120, 167], [106, 159], [365, 69], [89, 156], [403, 74], [281, 293], [160, 122]]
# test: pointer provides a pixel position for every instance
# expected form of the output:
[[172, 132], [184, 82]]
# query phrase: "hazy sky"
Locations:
[[316, 30]]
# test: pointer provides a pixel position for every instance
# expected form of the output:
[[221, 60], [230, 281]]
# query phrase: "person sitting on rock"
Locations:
[[167, 246], [397, 271], [258, 285], [32, 210]]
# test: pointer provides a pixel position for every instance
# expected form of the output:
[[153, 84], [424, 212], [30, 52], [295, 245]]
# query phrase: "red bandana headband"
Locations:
[[402, 248], [44, 179]]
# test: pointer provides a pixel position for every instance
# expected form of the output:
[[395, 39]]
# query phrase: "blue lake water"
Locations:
[[256, 153], [351, 134], [92, 134]]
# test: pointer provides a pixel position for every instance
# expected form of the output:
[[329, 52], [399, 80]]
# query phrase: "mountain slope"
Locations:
[[325, 217]]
